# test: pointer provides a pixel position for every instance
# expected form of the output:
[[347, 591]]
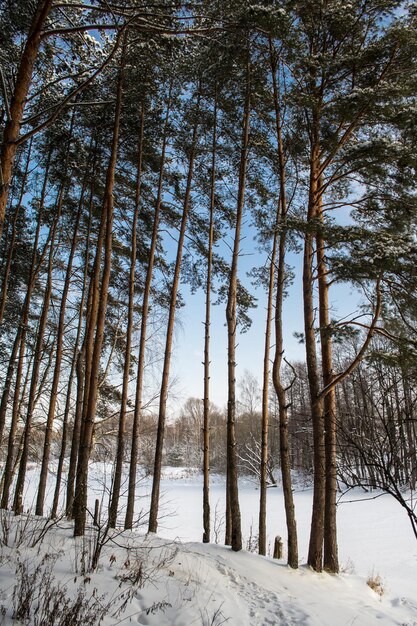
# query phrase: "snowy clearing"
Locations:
[[172, 579]]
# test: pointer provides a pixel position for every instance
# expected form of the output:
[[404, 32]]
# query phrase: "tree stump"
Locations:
[[278, 547]]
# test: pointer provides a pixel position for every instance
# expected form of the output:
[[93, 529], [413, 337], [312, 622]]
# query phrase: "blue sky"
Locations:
[[188, 356]]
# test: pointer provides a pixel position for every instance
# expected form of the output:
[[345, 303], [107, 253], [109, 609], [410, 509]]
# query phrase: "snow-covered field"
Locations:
[[174, 579]]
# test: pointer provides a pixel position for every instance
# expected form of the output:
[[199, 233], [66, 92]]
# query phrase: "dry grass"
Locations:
[[374, 581]]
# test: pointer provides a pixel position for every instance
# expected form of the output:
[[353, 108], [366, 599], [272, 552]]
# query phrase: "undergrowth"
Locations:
[[38, 600]]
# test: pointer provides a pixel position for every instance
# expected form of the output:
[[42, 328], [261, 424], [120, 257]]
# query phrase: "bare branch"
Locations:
[[338, 379]]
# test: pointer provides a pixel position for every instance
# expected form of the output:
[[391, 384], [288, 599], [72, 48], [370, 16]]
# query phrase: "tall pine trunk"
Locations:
[[315, 552], [281, 226], [153, 513], [74, 361], [99, 296], [20, 483], [77, 370], [114, 500], [231, 318], [143, 329], [76, 433], [263, 478], [330, 556], [206, 399], [59, 341], [9, 258], [18, 350], [17, 105]]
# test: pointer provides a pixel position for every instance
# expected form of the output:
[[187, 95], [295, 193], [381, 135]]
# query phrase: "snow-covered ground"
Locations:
[[174, 579]]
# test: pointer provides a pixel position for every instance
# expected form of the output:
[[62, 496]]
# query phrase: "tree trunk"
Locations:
[[20, 483], [73, 371], [59, 338], [17, 105], [280, 390], [114, 501], [315, 553], [78, 370], [142, 341], [100, 296], [206, 400], [265, 404], [76, 434], [18, 351], [231, 318], [330, 558], [9, 259], [153, 513]]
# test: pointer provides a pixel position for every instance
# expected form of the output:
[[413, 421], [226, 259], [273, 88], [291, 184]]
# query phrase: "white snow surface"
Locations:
[[182, 582]]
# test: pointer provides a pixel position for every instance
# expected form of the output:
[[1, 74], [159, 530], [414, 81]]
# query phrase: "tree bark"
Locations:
[[153, 514], [17, 105], [73, 370], [206, 400], [142, 341], [78, 370], [9, 258], [59, 340], [18, 350], [315, 553], [20, 483], [265, 403], [292, 545], [330, 557], [114, 501], [231, 318], [100, 296]]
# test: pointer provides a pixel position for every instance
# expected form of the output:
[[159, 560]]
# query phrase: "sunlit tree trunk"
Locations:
[[10, 252], [114, 501], [99, 304], [59, 339], [143, 329], [73, 371], [263, 482], [315, 553], [77, 370], [153, 514], [231, 318], [330, 557], [18, 101], [18, 350], [20, 483], [206, 400], [292, 543]]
